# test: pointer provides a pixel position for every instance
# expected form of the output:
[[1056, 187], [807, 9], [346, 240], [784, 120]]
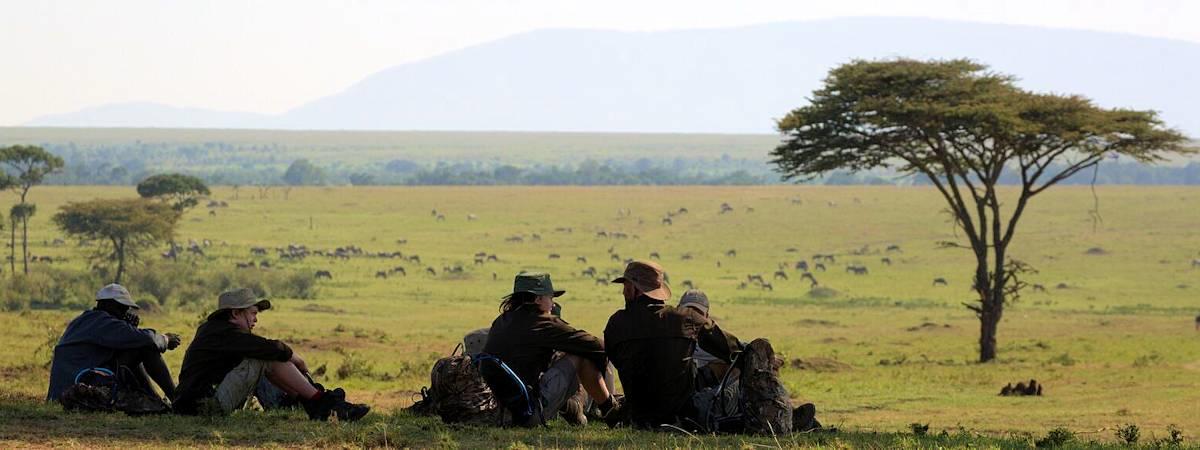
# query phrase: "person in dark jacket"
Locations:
[[651, 345], [226, 361], [108, 336], [527, 336]]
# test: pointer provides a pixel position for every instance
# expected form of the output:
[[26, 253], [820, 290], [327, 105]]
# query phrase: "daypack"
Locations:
[[457, 393], [758, 404], [510, 391], [98, 389]]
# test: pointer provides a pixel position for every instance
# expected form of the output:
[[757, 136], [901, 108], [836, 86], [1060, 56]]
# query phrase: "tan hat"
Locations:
[[116, 293], [241, 298], [647, 276]]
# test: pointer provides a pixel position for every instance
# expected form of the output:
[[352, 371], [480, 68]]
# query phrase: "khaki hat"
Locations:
[[647, 276], [534, 283], [474, 341], [695, 298], [116, 293], [241, 298]]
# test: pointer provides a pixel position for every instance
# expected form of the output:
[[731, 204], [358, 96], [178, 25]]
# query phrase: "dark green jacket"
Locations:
[[526, 339], [651, 345], [218, 347]]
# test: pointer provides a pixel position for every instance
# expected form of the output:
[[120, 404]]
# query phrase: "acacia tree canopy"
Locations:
[[962, 126], [123, 227], [182, 191]]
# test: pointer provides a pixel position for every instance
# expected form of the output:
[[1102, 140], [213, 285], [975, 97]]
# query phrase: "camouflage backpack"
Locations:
[[100, 390], [457, 392], [764, 401]]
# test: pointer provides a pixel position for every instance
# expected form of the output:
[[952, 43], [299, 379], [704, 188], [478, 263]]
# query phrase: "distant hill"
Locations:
[[734, 80]]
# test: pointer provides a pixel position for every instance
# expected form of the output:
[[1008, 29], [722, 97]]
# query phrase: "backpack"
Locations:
[[511, 392], [763, 400], [457, 393], [98, 389]]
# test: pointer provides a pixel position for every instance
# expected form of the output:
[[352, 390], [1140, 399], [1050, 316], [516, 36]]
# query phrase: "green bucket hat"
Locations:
[[534, 282]]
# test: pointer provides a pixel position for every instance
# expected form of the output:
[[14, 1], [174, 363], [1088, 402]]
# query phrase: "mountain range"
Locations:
[[731, 80]]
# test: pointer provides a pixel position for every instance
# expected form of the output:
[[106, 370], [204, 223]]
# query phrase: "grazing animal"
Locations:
[[732, 253], [601, 281], [812, 280], [431, 271], [588, 272], [324, 274], [780, 274], [581, 259], [416, 259], [441, 218], [749, 209], [212, 213], [742, 285], [433, 213], [887, 261], [655, 255], [725, 208], [472, 217], [400, 270], [893, 248], [264, 264], [1195, 263], [718, 264], [831, 203], [243, 265], [493, 258], [616, 257], [1039, 288], [554, 256], [688, 284], [666, 221], [1197, 322], [478, 261], [819, 266], [1022, 389], [536, 237], [940, 282], [259, 251], [494, 276], [802, 265], [768, 287], [381, 274], [857, 270], [756, 278]]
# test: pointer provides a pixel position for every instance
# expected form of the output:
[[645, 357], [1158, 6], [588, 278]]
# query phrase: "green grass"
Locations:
[[1115, 347]]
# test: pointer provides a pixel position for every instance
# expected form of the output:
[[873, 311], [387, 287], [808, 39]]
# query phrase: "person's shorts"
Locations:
[[557, 384], [239, 383]]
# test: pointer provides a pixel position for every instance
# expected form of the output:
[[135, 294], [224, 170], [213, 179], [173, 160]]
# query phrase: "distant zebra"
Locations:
[[940, 282]]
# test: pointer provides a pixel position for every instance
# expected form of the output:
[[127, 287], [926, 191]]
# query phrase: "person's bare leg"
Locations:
[[591, 378], [286, 376]]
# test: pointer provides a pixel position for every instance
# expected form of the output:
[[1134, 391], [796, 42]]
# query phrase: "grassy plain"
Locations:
[[1114, 346]]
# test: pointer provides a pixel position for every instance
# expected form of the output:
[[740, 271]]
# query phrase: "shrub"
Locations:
[[919, 429], [1057, 437], [49, 288], [1129, 433]]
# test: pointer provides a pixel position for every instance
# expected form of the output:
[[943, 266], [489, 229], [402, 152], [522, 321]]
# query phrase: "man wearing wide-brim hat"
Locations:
[[108, 337], [526, 337], [226, 361]]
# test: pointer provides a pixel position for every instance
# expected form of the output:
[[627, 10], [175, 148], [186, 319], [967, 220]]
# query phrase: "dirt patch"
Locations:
[[313, 307], [815, 323], [929, 326], [819, 364]]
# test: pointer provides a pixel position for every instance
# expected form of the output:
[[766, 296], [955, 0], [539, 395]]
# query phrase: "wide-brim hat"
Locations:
[[647, 276], [116, 293], [535, 283], [240, 299]]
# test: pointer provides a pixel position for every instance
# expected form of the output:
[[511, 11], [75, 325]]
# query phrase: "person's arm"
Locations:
[[715, 341], [557, 335], [115, 333], [256, 347]]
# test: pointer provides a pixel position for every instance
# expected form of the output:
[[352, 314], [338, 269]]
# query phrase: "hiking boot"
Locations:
[[573, 410], [333, 403], [804, 418]]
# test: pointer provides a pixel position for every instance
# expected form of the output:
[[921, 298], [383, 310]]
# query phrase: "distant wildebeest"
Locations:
[[433, 213], [514, 239], [324, 274], [893, 248], [554, 256], [258, 251], [655, 255], [478, 261], [718, 264], [212, 213], [682, 210], [802, 265], [796, 201], [688, 284], [472, 217], [401, 241], [810, 277], [581, 259], [415, 259], [731, 253], [685, 257], [1195, 263], [381, 274], [857, 270], [831, 203], [742, 285], [1197, 322], [792, 250], [494, 276], [725, 208], [940, 282], [819, 266], [780, 274], [588, 272], [399, 270], [749, 209], [242, 265], [493, 258], [886, 260], [535, 236], [431, 271], [666, 221], [602, 234], [1038, 288], [616, 257], [264, 264], [767, 287], [755, 277], [1062, 286], [441, 218], [601, 281]]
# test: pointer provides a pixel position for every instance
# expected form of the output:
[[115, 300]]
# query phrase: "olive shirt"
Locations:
[[218, 347], [526, 338], [651, 345]]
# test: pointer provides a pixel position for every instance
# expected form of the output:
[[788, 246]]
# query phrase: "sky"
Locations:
[[268, 56]]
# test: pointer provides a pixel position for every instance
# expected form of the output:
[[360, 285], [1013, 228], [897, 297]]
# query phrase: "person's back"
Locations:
[[92, 340]]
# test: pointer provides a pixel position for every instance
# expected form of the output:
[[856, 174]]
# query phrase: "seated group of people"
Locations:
[[225, 364], [672, 361]]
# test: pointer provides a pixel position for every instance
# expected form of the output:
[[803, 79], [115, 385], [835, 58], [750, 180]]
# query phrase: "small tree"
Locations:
[[962, 127], [181, 191], [28, 165], [123, 226]]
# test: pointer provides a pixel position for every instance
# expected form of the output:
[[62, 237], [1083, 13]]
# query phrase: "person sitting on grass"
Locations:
[[526, 337], [709, 369], [226, 361], [108, 337]]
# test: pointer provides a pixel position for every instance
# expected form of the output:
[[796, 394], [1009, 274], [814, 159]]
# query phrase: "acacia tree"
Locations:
[[962, 126], [124, 226], [180, 191], [29, 166]]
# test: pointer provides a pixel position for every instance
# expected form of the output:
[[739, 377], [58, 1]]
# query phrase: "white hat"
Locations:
[[117, 293]]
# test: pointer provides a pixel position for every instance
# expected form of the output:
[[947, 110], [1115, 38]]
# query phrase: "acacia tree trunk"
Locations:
[[119, 251], [12, 247], [25, 243]]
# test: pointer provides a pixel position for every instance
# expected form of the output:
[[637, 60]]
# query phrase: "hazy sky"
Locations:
[[269, 56]]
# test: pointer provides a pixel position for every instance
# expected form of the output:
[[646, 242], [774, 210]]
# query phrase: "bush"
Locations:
[[919, 429], [48, 288], [1129, 433], [1057, 437]]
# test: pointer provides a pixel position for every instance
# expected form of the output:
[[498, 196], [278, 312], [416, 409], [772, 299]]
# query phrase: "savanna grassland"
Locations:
[[1111, 338]]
